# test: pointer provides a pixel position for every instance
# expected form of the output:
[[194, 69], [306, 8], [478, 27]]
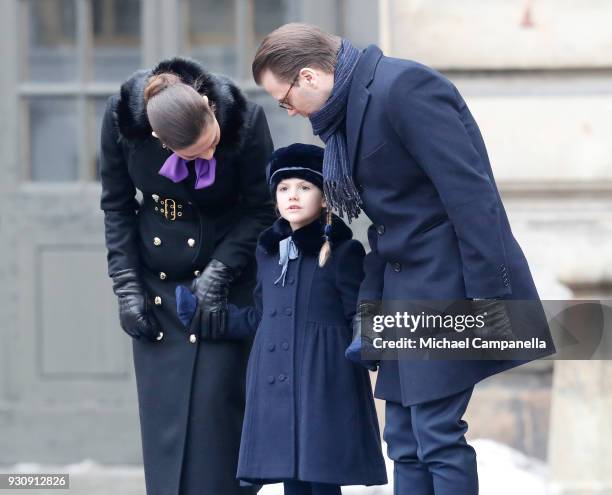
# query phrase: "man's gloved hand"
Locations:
[[497, 324], [211, 290], [361, 341], [133, 306]]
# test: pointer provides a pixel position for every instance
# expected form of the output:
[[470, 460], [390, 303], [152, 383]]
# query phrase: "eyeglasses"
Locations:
[[284, 103]]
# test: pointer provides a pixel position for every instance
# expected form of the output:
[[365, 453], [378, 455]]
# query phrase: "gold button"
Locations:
[[191, 242], [155, 197], [192, 338], [156, 241], [157, 301], [162, 275], [197, 273], [160, 336]]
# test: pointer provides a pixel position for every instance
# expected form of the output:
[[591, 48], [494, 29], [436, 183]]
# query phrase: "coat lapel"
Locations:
[[358, 103], [359, 97]]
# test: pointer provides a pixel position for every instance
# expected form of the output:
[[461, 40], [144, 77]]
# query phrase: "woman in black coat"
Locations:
[[202, 209]]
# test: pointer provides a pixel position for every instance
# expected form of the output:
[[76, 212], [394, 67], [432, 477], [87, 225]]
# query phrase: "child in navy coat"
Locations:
[[309, 420]]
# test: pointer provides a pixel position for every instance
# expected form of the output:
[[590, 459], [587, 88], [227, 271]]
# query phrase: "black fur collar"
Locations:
[[229, 101], [308, 239]]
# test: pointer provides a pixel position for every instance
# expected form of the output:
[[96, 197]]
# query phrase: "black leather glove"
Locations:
[[211, 289], [361, 340], [497, 326], [133, 306]]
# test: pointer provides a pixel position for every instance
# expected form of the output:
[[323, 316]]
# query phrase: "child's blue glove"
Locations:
[[186, 304], [353, 353]]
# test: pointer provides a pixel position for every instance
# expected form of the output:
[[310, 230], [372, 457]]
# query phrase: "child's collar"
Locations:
[[308, 239]]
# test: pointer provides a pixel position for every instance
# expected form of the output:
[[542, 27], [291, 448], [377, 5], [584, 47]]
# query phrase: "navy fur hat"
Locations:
[[303, 161]]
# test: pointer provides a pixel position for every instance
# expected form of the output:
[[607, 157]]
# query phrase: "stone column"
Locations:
[[581, 418]]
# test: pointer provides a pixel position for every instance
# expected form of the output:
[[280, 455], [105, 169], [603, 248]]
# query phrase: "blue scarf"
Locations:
[[329, 124]]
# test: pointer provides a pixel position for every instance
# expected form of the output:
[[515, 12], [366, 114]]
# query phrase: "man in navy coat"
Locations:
[[402, 146]]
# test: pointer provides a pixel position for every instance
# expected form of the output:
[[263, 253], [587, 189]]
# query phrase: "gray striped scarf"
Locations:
[[329, 124]]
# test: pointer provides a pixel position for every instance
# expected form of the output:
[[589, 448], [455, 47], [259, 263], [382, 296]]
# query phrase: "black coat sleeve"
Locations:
[[256, 206], [349, 274], [118, 199], [243, 322], [374, 269], [430, 118]]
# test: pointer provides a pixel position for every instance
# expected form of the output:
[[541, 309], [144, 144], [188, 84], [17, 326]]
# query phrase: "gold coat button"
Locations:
[[192, 338], [191, 242], [160, 336], [157, 301], [156, 241], [162, 275], [197, 273]]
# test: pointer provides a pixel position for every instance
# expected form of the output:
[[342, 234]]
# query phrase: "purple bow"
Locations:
[[175, 169]]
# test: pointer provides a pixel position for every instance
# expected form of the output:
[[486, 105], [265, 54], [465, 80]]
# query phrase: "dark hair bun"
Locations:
[[156, 84]]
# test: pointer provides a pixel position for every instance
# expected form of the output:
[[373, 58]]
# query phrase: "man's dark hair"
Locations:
[[288, 49]]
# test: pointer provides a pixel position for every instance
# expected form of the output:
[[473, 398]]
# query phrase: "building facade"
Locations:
[[67, 389]]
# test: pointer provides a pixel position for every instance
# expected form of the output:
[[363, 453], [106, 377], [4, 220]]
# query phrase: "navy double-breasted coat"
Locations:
[[439, 228], [310, 413], [190, 392]]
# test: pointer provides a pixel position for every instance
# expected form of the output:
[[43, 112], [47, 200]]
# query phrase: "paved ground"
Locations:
[[502, 471]]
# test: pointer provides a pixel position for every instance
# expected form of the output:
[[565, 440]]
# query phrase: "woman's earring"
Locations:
[[154, 134]]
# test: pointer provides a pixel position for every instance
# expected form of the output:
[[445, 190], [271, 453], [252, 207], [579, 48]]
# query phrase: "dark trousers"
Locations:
[[305, 488], [427, 444]]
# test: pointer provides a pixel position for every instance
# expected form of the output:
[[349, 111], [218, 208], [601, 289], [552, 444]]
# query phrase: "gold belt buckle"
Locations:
[[169, 209]]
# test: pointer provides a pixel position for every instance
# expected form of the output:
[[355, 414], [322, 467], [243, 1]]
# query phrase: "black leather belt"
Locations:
[[171, 209]]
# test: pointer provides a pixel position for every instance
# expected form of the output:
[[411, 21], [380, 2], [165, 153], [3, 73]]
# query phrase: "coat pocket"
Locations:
[[373, 151], [436, 223]]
